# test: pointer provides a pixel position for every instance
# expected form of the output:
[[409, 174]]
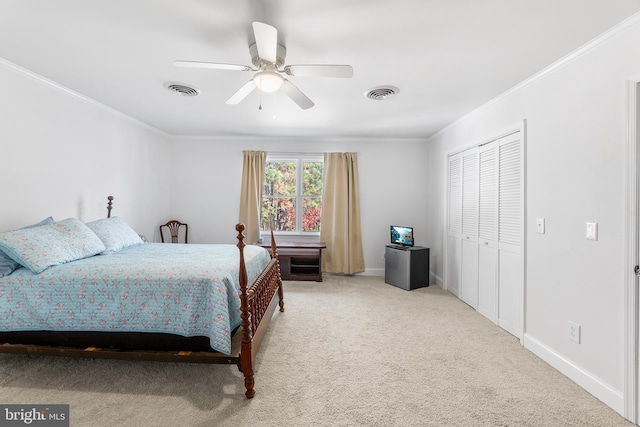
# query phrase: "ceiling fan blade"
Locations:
[[296, 95], [266, 41], [343, 71], [242, 93], [213, 65]]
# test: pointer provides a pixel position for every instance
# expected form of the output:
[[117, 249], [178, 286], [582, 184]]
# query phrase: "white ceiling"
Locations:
[[447, 57]]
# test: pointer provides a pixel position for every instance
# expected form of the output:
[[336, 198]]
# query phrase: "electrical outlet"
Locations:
[[574, 332]]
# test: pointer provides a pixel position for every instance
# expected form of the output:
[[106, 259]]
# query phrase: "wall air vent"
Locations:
[[382, 92], [182, 89]]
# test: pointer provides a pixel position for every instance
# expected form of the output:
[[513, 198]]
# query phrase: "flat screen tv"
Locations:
[[401, 235]]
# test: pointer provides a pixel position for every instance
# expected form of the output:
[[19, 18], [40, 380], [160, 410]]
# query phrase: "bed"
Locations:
[[96, 290]]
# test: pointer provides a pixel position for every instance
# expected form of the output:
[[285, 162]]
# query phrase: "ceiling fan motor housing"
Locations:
[[281, 53]]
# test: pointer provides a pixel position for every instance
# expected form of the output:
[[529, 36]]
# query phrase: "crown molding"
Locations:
[[60, 88], [605, 37]]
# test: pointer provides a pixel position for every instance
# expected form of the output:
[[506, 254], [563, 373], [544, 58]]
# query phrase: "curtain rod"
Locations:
[[300, 153], [295, 153]]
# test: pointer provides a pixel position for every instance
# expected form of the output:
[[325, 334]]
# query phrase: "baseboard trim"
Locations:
[[435, 279], [372, 272], [591, 383]]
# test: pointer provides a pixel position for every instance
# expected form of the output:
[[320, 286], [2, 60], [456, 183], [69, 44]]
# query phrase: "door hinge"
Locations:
[[637, 270]]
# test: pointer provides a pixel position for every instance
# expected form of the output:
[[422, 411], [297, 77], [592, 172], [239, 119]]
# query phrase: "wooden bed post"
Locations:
[[246, 357], [110, 199], [274, 250]]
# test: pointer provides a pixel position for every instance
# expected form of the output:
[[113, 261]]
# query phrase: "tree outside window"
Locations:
[[292, 194]]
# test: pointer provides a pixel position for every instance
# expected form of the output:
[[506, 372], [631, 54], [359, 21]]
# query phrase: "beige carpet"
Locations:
[[346, 352]]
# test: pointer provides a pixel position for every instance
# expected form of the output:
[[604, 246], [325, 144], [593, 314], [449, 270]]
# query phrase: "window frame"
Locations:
[[300, 159]]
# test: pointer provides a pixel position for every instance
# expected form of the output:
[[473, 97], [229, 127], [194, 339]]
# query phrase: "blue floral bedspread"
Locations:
[[181, 289]]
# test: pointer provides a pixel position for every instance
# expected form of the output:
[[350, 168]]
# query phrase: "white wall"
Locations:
[[62, 155], [207, 175], [575, 174]]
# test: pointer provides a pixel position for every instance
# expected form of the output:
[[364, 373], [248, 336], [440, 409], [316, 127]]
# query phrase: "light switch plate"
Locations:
[[592, 231], [540, 225]]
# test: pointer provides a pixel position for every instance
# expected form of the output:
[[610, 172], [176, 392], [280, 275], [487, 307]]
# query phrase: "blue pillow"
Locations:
[[7, 265], [51, 244], [115, 234]]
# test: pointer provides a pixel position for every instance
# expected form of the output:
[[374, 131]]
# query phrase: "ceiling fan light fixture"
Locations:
[[268, 81]]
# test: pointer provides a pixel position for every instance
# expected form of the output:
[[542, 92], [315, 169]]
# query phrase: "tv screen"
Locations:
[[402, 235]]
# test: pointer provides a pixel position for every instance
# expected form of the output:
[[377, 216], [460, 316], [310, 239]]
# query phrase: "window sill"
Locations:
[[291, 237]]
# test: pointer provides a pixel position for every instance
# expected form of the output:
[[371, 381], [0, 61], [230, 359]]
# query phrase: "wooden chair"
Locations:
[[174, 230]]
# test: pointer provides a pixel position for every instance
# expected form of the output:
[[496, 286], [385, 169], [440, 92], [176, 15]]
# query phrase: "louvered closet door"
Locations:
[[454, 224], [485, 229], [488, 232], [510, 231], [469, 238]]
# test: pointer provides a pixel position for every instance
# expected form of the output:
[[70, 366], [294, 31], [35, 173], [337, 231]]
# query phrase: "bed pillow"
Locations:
[[8, 265], [56, 243], [115, 234]]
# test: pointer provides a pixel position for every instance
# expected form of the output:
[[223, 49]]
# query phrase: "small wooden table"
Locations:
[[299, 260]]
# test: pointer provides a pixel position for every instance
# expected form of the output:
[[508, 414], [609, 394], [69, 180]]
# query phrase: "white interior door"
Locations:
[[632, 254], [454, 225], [632, 377], [469, 262], [510, 234], [488, 231]]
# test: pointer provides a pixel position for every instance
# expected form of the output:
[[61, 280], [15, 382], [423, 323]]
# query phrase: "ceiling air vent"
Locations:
[[382, 92], [182, 89]]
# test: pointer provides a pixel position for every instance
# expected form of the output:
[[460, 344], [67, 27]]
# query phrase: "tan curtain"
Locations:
[[340, 223], [251, 193]]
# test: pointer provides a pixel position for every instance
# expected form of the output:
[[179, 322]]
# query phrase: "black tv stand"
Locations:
[[406, 267]]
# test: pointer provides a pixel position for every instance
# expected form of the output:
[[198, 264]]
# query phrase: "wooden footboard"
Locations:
[[257, 303]]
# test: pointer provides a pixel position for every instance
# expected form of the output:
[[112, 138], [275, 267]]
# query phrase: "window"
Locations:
[[292, 193]]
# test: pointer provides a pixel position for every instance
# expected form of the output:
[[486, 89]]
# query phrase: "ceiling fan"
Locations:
[[267, 57]]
